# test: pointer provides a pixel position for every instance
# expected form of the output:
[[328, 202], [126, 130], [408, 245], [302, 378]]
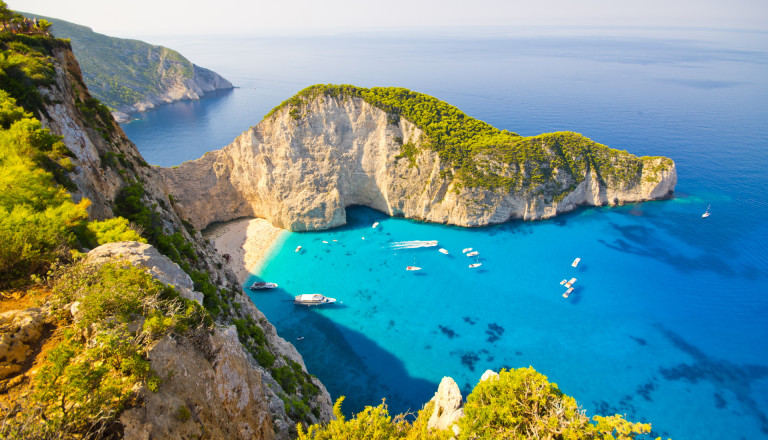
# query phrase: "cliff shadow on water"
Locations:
[[342, 356]]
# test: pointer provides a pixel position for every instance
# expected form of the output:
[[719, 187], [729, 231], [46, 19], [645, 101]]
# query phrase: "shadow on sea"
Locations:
[[350, 364]]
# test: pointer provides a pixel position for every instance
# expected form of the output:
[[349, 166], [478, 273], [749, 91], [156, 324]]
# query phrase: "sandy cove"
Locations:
[[248, 241]]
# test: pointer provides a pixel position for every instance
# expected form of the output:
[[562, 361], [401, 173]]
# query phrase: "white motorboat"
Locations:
[[473, 254], [568, 292], [313, 299], [706, 213], [576, 262], [474, 265], [443, 251], [412, 268]]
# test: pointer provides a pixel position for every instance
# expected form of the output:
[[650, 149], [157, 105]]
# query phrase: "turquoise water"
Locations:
[[667, 322]]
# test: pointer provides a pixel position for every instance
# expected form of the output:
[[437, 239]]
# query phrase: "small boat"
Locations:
[[473, 254], [375, 225], [325, 242], [576, 262], [259, 285], [562, 283], [473, 265], [443, 251], [706, 213], [568, 292], [313, 299], [465, 250], [412, 268], [300, 338], [298, 248], [570, 282]]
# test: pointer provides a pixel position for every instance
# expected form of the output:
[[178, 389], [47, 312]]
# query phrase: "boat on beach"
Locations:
[[568, 292], [260, 285], [576, 262], [313, 299], [570, 282]]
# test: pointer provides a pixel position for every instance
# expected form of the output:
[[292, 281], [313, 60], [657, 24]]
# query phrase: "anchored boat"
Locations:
[[259, 285], [313, 299]]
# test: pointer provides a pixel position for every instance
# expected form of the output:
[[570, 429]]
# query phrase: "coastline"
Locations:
[[248, 241]]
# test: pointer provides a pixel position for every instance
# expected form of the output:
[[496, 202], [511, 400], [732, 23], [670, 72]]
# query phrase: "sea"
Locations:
[[668, 320]]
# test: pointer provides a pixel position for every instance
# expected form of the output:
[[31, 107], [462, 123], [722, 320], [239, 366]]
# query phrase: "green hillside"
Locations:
[[121, 72]]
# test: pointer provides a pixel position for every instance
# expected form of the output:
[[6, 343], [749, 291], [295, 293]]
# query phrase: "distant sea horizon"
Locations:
[[667, 322]]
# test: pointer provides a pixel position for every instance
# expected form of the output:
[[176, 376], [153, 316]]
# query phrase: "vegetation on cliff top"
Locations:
[[41, 227], [517, 405], [480, 155]]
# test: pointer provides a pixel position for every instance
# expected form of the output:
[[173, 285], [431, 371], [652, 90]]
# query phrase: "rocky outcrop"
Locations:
[[210, 388], [300, 172], [448, 402], [19, 332]]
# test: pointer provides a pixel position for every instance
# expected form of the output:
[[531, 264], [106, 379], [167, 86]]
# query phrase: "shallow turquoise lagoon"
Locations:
[[642, 334]]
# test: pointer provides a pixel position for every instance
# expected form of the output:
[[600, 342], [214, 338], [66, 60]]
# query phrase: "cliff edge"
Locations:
[[331, 147]]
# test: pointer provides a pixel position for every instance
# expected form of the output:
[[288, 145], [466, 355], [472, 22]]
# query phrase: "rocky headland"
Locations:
[[327, 149], [131, 76]]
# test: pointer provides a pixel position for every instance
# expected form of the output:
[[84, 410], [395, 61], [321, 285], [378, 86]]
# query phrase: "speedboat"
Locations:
[[313, 299], [576, 262], [568, 292], [706, 213], [473, 265], [473, 254], [465, 250], [443, 251], [412, 268], [375, 225], [259, 285]]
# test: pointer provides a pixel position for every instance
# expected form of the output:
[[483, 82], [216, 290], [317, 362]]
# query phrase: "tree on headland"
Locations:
[[17, 23], [6, 15]]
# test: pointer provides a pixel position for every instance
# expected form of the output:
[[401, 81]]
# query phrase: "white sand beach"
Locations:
[[248, 241]]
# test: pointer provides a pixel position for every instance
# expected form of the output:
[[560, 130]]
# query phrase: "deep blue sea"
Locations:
[[668, 322]]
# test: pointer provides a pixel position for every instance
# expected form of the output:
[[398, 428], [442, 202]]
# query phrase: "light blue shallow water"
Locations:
[[667, 323]]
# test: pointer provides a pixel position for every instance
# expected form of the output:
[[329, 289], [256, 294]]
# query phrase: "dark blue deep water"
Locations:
[[669, 319]]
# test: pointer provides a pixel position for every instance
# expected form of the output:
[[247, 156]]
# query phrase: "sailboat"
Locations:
[[706, 213]]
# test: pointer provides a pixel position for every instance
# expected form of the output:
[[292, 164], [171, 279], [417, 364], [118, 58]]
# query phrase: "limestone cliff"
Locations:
[[105, 163], [305, 163], [132, 76]]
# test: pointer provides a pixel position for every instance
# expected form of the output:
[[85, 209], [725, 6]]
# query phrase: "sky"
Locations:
[[137, 18]]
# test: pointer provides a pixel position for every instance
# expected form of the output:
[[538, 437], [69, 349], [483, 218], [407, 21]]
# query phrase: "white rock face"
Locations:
[[301, 173], [448, 404]]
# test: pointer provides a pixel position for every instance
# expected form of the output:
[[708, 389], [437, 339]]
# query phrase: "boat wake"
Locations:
[[413, 244]]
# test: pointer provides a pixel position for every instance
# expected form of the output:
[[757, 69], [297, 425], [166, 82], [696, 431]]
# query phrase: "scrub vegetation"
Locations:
[[519, 404]]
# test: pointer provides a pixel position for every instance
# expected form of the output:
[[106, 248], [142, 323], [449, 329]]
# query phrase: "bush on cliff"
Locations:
[[517, 405], [96, 369]]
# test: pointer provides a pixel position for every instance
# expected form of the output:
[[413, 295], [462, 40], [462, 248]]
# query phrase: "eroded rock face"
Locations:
[[202, 395], [211, 386], [448, 404], [301, 173], [19, 331]]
